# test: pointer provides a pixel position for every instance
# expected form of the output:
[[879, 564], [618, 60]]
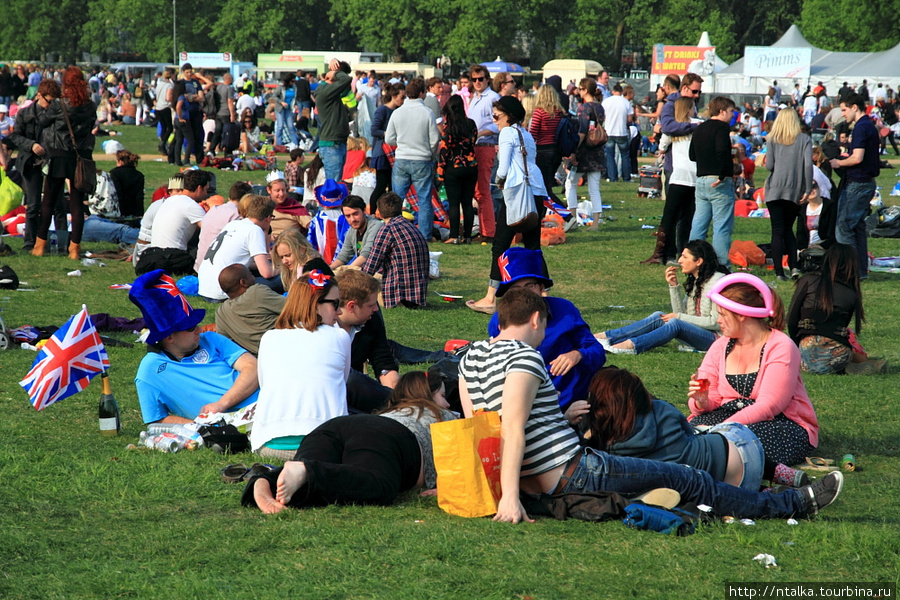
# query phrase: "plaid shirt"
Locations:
[[441, 218], [401, 254]]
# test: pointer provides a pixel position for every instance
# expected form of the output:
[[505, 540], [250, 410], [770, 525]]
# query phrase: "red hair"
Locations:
[[616, 398], [74, 87]]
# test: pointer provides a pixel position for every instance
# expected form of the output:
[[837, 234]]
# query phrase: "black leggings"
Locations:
[[782, 214], [678, 213], [459, 184], [547, 159], [382, 185], [183, 131], [164, 115], [356, 459], [504, 235], [53, 189]]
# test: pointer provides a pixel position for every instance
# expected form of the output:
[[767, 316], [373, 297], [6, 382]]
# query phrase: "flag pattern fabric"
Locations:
[[66, 363]]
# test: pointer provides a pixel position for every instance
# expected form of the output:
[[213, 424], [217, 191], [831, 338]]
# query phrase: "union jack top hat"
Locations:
[[518, 263], [165, 308]]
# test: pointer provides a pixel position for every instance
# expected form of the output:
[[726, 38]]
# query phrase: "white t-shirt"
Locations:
[[245, 101], [211, 226], [176, 222], [237, 243], [146, 232], [684, 170], [617, 109]]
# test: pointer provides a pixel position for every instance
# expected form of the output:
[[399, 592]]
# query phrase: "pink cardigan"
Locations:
[[779, 387]]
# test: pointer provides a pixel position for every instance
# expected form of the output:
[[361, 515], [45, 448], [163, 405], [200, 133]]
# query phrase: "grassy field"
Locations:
[[84, 518]]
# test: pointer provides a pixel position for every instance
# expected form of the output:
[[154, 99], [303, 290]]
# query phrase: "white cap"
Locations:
[[4, 108], [274, 176]]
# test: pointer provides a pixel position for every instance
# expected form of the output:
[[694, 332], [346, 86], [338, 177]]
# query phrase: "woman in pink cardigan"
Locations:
[[751, 375]]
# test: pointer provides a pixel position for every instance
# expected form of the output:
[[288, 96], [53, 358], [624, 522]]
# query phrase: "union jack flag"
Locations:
[[66, 363], [556, 207], [168, 284]]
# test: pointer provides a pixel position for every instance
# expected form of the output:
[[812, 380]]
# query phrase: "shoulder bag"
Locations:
[[85, 168], [521, 211], [598, 135]]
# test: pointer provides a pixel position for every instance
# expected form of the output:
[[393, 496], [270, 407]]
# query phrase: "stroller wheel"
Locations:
[[4, 341]]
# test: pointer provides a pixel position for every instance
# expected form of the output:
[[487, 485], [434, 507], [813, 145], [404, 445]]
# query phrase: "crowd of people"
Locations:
[[300, 273]]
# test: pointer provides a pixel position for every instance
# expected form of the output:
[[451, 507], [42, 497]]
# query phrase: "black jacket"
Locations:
[[56, 138], [26, 133], [827, 224], [370, 345]]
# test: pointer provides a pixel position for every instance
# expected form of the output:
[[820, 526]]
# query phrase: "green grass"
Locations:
[[82, 517]]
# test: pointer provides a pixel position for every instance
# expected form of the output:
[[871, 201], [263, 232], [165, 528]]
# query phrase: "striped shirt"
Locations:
[[549, 441], [543, 127]]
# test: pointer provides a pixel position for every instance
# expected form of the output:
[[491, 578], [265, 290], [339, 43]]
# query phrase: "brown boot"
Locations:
[[657, 257], [40, 245], [74, 251]]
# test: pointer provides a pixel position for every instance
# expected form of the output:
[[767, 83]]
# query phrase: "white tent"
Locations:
[[831, 68], [705, 43]]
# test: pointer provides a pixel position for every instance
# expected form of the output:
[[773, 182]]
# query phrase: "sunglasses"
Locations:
[[478, 79], [496, 116], [695, 92], [334, 302], [511, 81]]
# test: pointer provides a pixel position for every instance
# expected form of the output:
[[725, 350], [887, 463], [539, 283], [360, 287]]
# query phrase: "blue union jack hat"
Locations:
[[165, 308], [518, 263]]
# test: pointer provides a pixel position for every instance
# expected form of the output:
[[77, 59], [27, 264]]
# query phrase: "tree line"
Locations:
[[530, 31]]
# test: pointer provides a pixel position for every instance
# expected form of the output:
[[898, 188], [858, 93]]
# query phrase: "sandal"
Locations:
[[482, 309], [816, 463], [234, 473]]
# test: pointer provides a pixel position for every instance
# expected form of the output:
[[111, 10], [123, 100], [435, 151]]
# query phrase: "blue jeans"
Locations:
[[601, 472], [618, 144], [749, 448], [715, 204], [333, 159], [853, 208], [98, 229], [419, 173], [284, 128], [652, 332]]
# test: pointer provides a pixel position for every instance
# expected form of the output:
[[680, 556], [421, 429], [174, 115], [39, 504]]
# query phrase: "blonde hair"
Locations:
[[785, 129], [301, 251], [547, 100], [528, 103], [683, 108]]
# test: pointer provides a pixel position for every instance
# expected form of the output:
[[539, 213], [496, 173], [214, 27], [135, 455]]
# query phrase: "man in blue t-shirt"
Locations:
[[186, 373], [861, 168]]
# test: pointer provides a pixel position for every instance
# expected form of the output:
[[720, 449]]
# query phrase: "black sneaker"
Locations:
[[824, 491]]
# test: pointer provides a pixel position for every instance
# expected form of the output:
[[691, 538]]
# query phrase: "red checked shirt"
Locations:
[[401, 254]]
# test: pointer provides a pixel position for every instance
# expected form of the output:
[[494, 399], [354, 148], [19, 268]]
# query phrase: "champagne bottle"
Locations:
[[110, 423]]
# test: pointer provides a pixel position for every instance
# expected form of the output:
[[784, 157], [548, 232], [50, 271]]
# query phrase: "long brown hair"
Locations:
[[746, 294], [415, 391], [616, 398], [840, 266]]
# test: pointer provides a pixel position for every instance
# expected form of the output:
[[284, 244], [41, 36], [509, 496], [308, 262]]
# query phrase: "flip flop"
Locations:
[[663, 497], [234, 473], [815, 463], [482, 309]]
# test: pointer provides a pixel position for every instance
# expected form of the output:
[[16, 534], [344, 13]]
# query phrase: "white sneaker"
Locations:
[[615, 350]]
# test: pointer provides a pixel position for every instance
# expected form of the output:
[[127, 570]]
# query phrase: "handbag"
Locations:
[[598, 135], [521, 211], [85, 168], [10, 194], [467, 461]]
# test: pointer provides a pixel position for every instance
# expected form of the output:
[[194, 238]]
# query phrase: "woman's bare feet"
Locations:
[[292, 478], [262, 493], [483, 306]]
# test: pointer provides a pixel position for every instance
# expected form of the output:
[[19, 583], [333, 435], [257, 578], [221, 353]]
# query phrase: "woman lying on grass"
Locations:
[[361, 459]]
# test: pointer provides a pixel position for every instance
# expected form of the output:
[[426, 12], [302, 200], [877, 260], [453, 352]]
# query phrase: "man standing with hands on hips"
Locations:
[[862, 167]]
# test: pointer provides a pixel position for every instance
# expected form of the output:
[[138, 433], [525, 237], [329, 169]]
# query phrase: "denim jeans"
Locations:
[[853, 208], [601, 472], [652, 332], [618, 144], [333, 159], [284, 128], [419, 173], [364, 394], [748, 447], [98, 229], [714, 204]]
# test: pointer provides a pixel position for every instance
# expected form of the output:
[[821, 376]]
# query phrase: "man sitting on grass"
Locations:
[[251, 308], [186, 373]]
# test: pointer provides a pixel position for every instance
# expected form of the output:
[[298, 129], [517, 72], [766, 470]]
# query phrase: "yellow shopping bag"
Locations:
[[467, 459]]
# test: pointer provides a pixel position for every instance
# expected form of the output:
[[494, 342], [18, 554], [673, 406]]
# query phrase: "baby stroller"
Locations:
[[650, 185]]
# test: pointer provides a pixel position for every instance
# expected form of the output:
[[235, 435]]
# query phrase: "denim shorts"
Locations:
[[749, 448]]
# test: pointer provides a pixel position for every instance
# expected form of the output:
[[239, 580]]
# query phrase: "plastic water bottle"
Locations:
[[187, 431], [54, 243]]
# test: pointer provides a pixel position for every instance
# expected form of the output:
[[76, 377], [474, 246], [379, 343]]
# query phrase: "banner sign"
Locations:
[[680, 60], [290, 62], [206, 60], [765, 61]]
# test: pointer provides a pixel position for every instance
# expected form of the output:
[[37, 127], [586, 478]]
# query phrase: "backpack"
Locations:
[[210, 106], [567, 135], [104, 202]]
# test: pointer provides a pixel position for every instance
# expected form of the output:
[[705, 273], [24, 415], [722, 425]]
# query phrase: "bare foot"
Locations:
[[262, 493], [291, 479]]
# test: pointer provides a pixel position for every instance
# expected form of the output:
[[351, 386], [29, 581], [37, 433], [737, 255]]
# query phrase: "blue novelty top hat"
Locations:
[[165, 308], [331, 193], [518, 263]]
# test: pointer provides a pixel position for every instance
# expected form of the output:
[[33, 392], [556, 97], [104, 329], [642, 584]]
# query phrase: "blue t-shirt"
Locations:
[[865, 136], [166, 387], [192, 88], [289, 94]]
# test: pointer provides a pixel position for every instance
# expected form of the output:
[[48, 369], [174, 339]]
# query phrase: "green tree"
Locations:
[[32, 30], [845, 26]]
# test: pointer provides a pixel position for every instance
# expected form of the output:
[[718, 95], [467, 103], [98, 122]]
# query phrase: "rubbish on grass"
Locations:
[[766, 559], [647, 227], [728, 519], [748, 522], [848, 463], [704, 507], [75, 273], [792, 522], [448, 297], [120, 286]]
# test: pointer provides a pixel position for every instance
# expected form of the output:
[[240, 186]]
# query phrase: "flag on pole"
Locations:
[[67, 362]]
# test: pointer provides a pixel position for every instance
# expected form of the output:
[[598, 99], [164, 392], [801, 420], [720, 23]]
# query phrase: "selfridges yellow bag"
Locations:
[[467, 459], [10, 194]]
